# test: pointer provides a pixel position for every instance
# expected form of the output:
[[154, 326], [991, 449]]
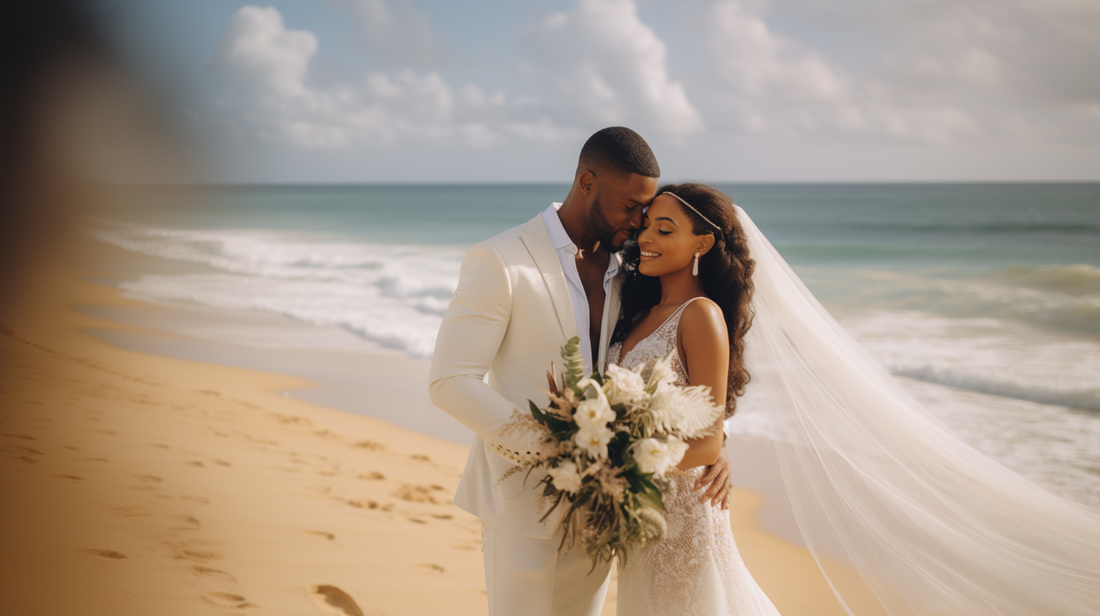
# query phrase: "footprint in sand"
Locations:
[[292, 419], [190, 523], [370, 445], [23, 449], [195, 463], [320, 533], [337, 601], [372, 476], [69, 477], [132, 511], [185, 551], [227, 601], [106, 554], [216, 574], [416, 494], [432, 567], [200, 555]]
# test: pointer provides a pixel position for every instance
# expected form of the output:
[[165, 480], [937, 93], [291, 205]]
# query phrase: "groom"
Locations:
[[521, 295]]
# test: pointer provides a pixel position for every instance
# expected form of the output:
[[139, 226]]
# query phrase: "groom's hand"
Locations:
[[718, 476]]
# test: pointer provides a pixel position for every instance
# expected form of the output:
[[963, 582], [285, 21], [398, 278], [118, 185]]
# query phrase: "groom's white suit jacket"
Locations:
[[510, 317]]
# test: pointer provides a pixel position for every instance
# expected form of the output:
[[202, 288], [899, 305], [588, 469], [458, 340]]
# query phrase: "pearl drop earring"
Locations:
[[695, 267]]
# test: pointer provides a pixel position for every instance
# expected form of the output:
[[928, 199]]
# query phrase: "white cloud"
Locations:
[[772, 84], [397, 34], [759, 64], [613, 70], [264, 69], [600, 63], [256, 51]]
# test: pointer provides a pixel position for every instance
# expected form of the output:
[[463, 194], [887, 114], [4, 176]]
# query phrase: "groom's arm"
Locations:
[[470, 336]]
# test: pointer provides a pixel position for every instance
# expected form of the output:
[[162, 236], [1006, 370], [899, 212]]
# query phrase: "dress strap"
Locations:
[[674, 319]]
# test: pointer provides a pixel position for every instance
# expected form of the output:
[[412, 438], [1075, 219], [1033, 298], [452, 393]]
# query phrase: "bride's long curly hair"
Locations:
[[725, 271]]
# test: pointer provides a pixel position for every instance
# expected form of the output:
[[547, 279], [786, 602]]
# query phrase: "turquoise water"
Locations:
[[947, 224]]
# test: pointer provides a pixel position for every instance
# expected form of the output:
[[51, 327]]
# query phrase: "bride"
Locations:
[[931, 525]]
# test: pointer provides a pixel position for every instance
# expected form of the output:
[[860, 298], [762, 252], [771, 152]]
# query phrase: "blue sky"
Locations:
[[757, 90]]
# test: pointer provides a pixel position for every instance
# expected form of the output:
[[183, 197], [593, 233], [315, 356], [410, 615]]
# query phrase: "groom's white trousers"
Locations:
[[528, 577]]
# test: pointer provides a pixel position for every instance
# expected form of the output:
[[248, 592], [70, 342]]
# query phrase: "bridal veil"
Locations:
[[931, 524]]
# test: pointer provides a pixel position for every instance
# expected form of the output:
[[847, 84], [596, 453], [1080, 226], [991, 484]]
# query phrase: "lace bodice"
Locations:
[[654, 347], [695, 568]]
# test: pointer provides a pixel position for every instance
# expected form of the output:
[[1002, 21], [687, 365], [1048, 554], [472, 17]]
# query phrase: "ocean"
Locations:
[[984, 299]]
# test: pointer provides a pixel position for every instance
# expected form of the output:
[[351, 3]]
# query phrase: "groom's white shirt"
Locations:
[[567, 257], [512, 313]]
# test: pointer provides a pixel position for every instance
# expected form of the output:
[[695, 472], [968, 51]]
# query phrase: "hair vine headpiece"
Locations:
[[692, 208]]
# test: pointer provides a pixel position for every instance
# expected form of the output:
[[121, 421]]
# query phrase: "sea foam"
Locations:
[[393, 295]]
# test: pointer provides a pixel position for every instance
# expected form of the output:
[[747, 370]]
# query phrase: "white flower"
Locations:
[[593, 412], [651, 455], [627, 386], [676, 451], [656, 456], [594, 439], [565, 477]]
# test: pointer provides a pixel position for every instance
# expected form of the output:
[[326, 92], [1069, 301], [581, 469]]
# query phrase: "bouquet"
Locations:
[[613, 437]]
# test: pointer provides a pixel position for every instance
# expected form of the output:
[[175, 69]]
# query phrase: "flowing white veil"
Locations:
[[931, 524]]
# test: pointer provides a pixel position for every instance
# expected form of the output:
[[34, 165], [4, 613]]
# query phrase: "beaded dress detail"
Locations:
[[695, 568]]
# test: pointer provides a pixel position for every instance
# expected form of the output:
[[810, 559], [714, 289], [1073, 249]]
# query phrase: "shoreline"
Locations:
[[150, 484]]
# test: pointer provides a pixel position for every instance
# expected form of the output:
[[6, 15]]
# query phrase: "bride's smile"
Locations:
[[667, 241]]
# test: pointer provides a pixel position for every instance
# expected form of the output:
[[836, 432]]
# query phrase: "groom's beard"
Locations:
[[602, 228]]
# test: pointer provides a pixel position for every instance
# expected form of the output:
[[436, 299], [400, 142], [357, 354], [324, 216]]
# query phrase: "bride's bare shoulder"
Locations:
[[703, 322], [703, 309]]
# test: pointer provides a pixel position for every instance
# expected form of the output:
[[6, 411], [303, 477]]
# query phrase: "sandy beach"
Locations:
[[137, 483]]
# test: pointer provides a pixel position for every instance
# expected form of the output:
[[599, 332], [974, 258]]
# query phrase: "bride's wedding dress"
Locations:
[[695, 568]]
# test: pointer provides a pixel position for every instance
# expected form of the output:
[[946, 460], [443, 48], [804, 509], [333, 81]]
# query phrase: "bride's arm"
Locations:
[[706, 354]]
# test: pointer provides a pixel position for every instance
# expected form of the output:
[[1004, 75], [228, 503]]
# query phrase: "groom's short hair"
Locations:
[[620, 151]]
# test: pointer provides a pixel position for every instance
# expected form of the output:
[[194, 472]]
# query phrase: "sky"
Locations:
[[357, 91]]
